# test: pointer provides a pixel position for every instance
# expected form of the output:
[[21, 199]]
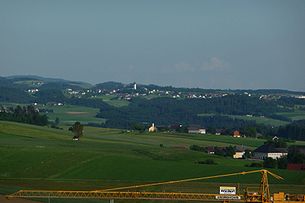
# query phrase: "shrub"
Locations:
[[255, 164], [197, 148], [270, 163], [207, 161]]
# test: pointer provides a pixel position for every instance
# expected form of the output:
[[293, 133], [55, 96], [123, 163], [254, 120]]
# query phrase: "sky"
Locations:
[[236, 44]]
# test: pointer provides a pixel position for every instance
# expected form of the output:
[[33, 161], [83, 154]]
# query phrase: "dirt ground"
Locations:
[[15, 200], [76, 112]]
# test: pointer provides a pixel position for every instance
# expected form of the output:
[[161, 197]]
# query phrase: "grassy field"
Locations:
[[30, 83], [68, 114], [295, 115], [257, 119], [261, 120], [113, 101], [35, 157]]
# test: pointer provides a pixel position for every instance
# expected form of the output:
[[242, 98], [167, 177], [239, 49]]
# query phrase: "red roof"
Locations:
[[299, 167], [236, 132]]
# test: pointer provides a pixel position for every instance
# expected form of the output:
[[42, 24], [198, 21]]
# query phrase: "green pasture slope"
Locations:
[[261, 120], [113, 100], [35, 157], [69, 114], [295, 115], [257, 119]]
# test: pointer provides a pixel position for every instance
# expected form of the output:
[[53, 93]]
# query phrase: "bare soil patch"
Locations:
[[76, 112]]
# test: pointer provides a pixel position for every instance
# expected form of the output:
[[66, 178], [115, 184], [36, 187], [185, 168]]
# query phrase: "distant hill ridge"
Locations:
[[8, 80], [32, 89]]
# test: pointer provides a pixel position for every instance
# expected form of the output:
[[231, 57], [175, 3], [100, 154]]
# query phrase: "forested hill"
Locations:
[[35, 88], [127, 105], [168, 111]]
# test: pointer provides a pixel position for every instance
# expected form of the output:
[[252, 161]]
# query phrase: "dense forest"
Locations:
[[166, 111], [24, 114], [294, 130]]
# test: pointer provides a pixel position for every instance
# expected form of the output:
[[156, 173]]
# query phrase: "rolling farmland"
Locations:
[[43, 158]]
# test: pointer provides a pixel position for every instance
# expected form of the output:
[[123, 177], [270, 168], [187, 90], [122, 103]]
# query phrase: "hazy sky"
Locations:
[[204, 43]]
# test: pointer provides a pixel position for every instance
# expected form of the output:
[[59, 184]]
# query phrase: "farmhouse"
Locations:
[[210, 150], [239, 154], [236, 133], [196, 129], [219, 132], [269, 151]]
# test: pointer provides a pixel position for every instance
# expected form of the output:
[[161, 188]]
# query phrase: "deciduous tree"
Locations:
[[77, 128]]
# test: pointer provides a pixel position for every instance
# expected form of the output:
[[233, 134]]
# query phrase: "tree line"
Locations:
[[166, 111], [294, 130], [25, 114]]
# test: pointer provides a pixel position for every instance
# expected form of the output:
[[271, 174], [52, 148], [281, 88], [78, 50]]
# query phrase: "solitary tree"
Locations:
[[56, 121], [77, 130]]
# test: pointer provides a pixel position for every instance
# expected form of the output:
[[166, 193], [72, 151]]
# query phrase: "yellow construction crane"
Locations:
[[261, 196]]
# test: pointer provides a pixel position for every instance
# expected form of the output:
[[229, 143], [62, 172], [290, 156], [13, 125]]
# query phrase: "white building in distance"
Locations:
[[152, 128]]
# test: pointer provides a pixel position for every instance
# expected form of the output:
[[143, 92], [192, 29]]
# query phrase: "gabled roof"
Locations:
[[219, 130], [236, 132], [195, 127], [210, 149], [240, 149], [270, 149]]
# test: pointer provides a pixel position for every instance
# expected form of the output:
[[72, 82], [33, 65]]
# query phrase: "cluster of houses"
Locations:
[[128, 91], [263, 152], [193, 129], [260, 153], [266, 151]]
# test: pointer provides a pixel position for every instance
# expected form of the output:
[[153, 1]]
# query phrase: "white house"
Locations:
[[239, 154], [196, 129]]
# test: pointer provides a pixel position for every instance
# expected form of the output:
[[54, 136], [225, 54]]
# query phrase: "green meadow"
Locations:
[[257, 119], [295, 115], [69, 114], [113, 100], [35, 157], [261, 120]]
